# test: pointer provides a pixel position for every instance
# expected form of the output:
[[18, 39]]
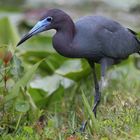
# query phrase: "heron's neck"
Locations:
[[62, 40]]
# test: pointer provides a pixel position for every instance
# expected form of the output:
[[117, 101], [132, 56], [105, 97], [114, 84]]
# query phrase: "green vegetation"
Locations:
[[44, 96]]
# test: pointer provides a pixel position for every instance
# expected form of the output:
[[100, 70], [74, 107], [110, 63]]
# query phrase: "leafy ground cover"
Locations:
[[44, 96]]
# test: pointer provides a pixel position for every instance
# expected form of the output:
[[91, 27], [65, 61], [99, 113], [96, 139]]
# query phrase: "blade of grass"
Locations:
[[94, 121]]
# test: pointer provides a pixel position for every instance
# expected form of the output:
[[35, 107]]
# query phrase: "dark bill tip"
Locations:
[[27, 36]]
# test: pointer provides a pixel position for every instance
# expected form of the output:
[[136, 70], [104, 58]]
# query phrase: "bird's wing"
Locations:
[[118, 43]]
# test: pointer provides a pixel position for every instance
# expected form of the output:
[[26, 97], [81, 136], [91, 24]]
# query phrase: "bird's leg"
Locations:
[[96, 97], [97, 91], [105, 62], [104, 66]]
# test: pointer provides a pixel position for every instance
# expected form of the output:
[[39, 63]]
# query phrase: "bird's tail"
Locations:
[[138, 43], [135, 35]]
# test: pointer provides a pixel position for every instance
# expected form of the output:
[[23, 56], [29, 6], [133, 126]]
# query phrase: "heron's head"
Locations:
[[53, 19]]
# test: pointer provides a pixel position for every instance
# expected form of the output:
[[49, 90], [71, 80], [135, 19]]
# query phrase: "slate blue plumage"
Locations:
[[102, 37], [95, 38]]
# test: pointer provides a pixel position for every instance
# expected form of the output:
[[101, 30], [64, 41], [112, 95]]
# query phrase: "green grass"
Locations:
[[118, 115]]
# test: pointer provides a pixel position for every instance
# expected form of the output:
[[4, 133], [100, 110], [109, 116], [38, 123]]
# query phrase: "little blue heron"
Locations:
[[95, 38]]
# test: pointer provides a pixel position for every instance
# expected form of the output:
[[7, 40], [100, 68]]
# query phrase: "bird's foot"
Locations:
[[81, 130], [83, 126]]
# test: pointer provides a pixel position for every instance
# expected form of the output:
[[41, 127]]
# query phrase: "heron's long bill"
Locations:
[[39, 27]]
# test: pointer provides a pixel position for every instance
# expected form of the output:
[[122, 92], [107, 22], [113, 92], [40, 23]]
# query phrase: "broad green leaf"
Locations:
[[16, 68], [37, 44], [38, 52], [70, 66], [51, 63], [22, 82], [74, 69], [55, 97], [40, 47], [51, 83], [28, 129], [22, 106], [43, 100], [8, 33], [53, 87], [38, 95]]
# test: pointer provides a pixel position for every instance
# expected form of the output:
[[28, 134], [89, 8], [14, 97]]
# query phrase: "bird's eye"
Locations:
[[49, 19]]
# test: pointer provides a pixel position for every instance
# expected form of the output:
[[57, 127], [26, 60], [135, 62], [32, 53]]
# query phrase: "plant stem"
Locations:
[[18, 121], [29, 98], [5, 79]]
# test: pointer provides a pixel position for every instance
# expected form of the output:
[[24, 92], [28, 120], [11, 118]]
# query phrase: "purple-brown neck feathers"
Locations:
[[65, 32]]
